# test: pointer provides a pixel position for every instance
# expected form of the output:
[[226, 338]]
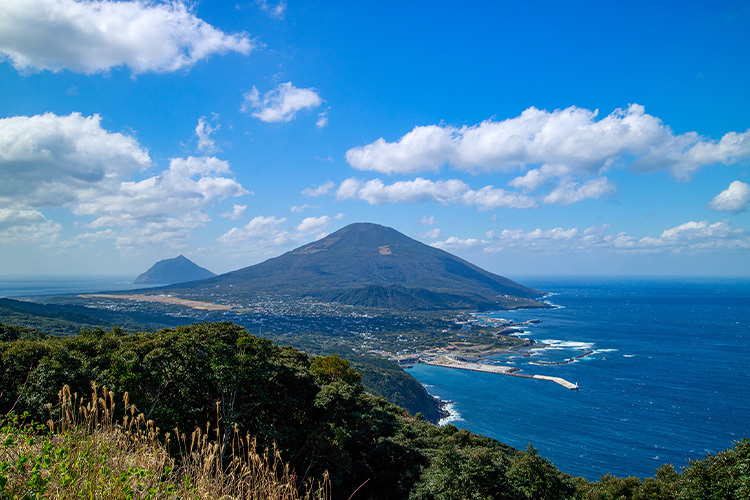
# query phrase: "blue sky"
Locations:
[[527, 137]]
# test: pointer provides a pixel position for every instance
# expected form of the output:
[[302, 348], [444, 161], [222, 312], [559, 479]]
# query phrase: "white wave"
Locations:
[[539, 350], [453, 415], [552, 304], [628, 355], [567, 344]]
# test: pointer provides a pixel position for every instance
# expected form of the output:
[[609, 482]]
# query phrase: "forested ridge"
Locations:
[[318, 414]]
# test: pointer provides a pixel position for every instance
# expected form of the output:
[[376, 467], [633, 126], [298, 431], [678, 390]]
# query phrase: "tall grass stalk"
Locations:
[[84, 452]]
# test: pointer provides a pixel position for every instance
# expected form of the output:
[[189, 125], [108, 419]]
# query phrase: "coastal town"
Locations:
[[458, 341]]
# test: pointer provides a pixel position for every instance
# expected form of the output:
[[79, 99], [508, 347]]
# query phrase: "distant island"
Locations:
[[170, 271]]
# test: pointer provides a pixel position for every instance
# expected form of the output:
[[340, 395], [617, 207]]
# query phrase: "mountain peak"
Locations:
[[376, 266], [176, 270]]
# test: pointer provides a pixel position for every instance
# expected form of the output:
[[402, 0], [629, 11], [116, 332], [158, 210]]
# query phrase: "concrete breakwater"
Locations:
[[560, 381], [498, 369], [463, 365]]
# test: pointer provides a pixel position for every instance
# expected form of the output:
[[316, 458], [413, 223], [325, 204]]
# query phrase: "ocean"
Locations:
[[29, 286], [667, 379]]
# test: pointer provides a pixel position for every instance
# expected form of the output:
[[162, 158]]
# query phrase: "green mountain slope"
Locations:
[[370, 265]]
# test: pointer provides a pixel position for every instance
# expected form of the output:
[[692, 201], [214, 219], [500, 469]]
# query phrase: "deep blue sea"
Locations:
[[669, 378]]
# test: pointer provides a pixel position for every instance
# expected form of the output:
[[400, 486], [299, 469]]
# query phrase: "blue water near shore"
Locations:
[[668, 380]]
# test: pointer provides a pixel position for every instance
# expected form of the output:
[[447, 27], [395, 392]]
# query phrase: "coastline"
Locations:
[[449, 412]]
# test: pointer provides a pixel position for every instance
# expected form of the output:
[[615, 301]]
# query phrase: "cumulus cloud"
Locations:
[[320, 190], [322, 119], [705, 234], [27, 226], [206, 144], [735, 198], [265, 234], [71, 162], [431, 235], [49, 160], [94, 36], [572, 140], [181, 193], [420, 190], [457, 244], [313, 224], [424, 148], [538, 177], [348, 189], [298, 209], [569, 192], [238, 211], [280, 104], [260, 231], [428, 220], [690, 237], [274, 10]]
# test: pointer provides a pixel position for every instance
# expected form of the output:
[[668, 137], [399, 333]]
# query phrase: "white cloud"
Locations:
[[264, 235], [571, 139], [488, 198], [203, 130], [691, 237], [735, 198], [181, 193], [49, 160], [428, 220], [280, 104], [322, 119], [339, 216], [298, 209], [348, 189], [238, 211], [272, 10], [424, 148], [71, 162], [701, 234], [94, 36], [313, 224], [537, 177], [320, 190], [457, 244], [84, 239], [259, 232], [164, 207], [420, 190], [569, 192], [431, 235], [27, 226]]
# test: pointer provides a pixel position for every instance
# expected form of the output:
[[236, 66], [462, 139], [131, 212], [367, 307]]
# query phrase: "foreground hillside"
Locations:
[[316, 411], [379, 376]]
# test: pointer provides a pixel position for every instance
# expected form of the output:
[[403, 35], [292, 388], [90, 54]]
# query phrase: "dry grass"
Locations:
[[85, 453]]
